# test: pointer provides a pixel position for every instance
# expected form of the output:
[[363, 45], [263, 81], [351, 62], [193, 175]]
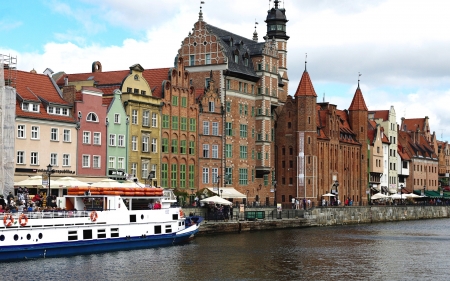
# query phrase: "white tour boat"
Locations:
[[98, 220]]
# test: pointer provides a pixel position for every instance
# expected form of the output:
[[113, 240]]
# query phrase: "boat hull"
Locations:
[[50, 250]]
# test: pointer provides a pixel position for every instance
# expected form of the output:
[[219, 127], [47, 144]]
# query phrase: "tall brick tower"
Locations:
[[358, 115], [306, 137], [276, 30]]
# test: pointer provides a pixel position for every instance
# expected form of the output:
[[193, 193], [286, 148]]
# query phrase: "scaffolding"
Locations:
[[8, 74]]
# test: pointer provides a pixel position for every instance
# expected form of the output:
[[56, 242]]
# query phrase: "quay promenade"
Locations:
[[255, 219]]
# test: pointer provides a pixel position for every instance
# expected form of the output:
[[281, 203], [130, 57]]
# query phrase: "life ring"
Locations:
[[93, 216], [8, 220], [24, 218], [181, 213]]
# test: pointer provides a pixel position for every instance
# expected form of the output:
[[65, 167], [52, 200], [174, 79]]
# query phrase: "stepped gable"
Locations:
[[305, 87], [358, 102]]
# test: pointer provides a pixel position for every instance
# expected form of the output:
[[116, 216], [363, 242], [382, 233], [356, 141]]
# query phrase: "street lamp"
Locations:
[[49, 172], [401, 192]]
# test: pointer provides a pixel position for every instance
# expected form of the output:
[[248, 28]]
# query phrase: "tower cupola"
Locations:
[[276, 22]]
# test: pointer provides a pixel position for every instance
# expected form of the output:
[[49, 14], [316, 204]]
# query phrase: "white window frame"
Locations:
[[54, 132], [154, 120], [36, 131], [116, 118], [96, 162], [86, 137], [112, 139], [205, 128], [20, 154], [133, 169], [90, 119], [215, 175], [144, 170], [97, 138], [112, 162], [145, 140], [134, 141], [205, 151], [54, 159], [154, 145], [121, 140], [134, 116], [146, 118], [21, 131], [120, 163], [88, 158], [34, 155], [67, 136], [215, 128], [205, 175], [66, 160], [215, 151]]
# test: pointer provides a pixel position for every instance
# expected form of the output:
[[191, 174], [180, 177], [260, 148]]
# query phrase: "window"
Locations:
[[183, 125], [143, 92], [20, 157], [215, 175], [243, 130], [34, 158], [192, 125], [236, 58], [205, 175], [146, 118], [121, 140], [228, 175], [228, 151], [175, 146], [66, 135], [211, 106], [154, 146], [164, 145], [116, 118], [243, 152], [215, 151], [53, 159], [215, 128], [174, 122], [144, 172], [154, 120], [112, 162], [174, 100], [134, 143], [165, 121], [112, 139], [134, 117], [96, 162], [183, 101], [183, 175], [21, 131], [206, 150], [192, 60], [145, 140], [97, 138], [183, 146], [191, 147], [243, 176], [173, 177], [208, 59], [228, 84], [205, 127], [66, 160], [207, 80], [86, 161], [228, 129], [120, 163], [228, 106], [133, 169], [91, 117], [54, 134], [34, 132], [87, 137]]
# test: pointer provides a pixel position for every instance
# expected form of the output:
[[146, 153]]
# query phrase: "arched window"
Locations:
[[92, 117]]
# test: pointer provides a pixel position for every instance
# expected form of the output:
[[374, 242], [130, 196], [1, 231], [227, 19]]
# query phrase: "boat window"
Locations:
[[175, 217], [40, 236], [168, 228], [28, 236], [16, 237], [114, 232], [2, 237], [73, 235], [142, 217], [157, 229], [101, 233], [87, 234], [132, 218]]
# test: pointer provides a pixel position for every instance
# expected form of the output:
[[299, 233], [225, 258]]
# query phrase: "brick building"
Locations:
[[251, 79], [321, 149]]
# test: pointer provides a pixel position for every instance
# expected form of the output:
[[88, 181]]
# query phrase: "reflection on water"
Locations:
[[414, 250]]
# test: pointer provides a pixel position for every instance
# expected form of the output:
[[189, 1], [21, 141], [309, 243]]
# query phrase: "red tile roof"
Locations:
[[155, 78], [101, 78], [381, 114], [30, 86], [107, 100], [305, 87], [358, 102], [413, 124]]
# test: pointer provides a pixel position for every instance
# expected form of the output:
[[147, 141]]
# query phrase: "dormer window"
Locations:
[[236, 58], [92, 117], [58, 110], [33, 107], [246, 61]]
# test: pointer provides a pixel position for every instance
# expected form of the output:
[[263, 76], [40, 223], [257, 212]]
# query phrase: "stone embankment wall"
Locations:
[[330, 216]]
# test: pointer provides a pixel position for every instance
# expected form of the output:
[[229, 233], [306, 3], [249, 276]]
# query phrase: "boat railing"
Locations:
[[50, 214]]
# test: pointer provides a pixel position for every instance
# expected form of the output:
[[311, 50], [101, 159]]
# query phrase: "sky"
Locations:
[[400, 47]]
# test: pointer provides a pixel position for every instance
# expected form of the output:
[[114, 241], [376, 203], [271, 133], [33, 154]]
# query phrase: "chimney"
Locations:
[[66, 81]]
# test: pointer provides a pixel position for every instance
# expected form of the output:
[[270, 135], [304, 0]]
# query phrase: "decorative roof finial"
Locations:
[[324, 97], [359, 75], [306, 61], [255, 34], [276, 4], [200, 15]]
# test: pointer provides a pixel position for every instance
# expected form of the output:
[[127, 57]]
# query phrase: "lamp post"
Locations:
[[424, 187], [49, 171], [401, 193], [275, 193]]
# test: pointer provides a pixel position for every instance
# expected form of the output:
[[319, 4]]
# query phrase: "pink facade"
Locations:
[[92, 142]]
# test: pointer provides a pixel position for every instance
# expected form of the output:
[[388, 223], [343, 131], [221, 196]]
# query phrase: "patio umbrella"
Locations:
[[216, 200], [411, 195], [36, 181], [397, 196], [107, 183], [378, 196], [328, 195], [72, 182]]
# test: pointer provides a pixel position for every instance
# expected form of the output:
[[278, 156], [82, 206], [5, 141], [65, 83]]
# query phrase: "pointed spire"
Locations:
[[306, 61], [305, 87], [358, 102], [359, 75], [276, 3], [200, 15]]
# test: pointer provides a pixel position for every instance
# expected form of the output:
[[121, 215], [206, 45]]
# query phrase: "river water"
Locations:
[[408, 250]]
